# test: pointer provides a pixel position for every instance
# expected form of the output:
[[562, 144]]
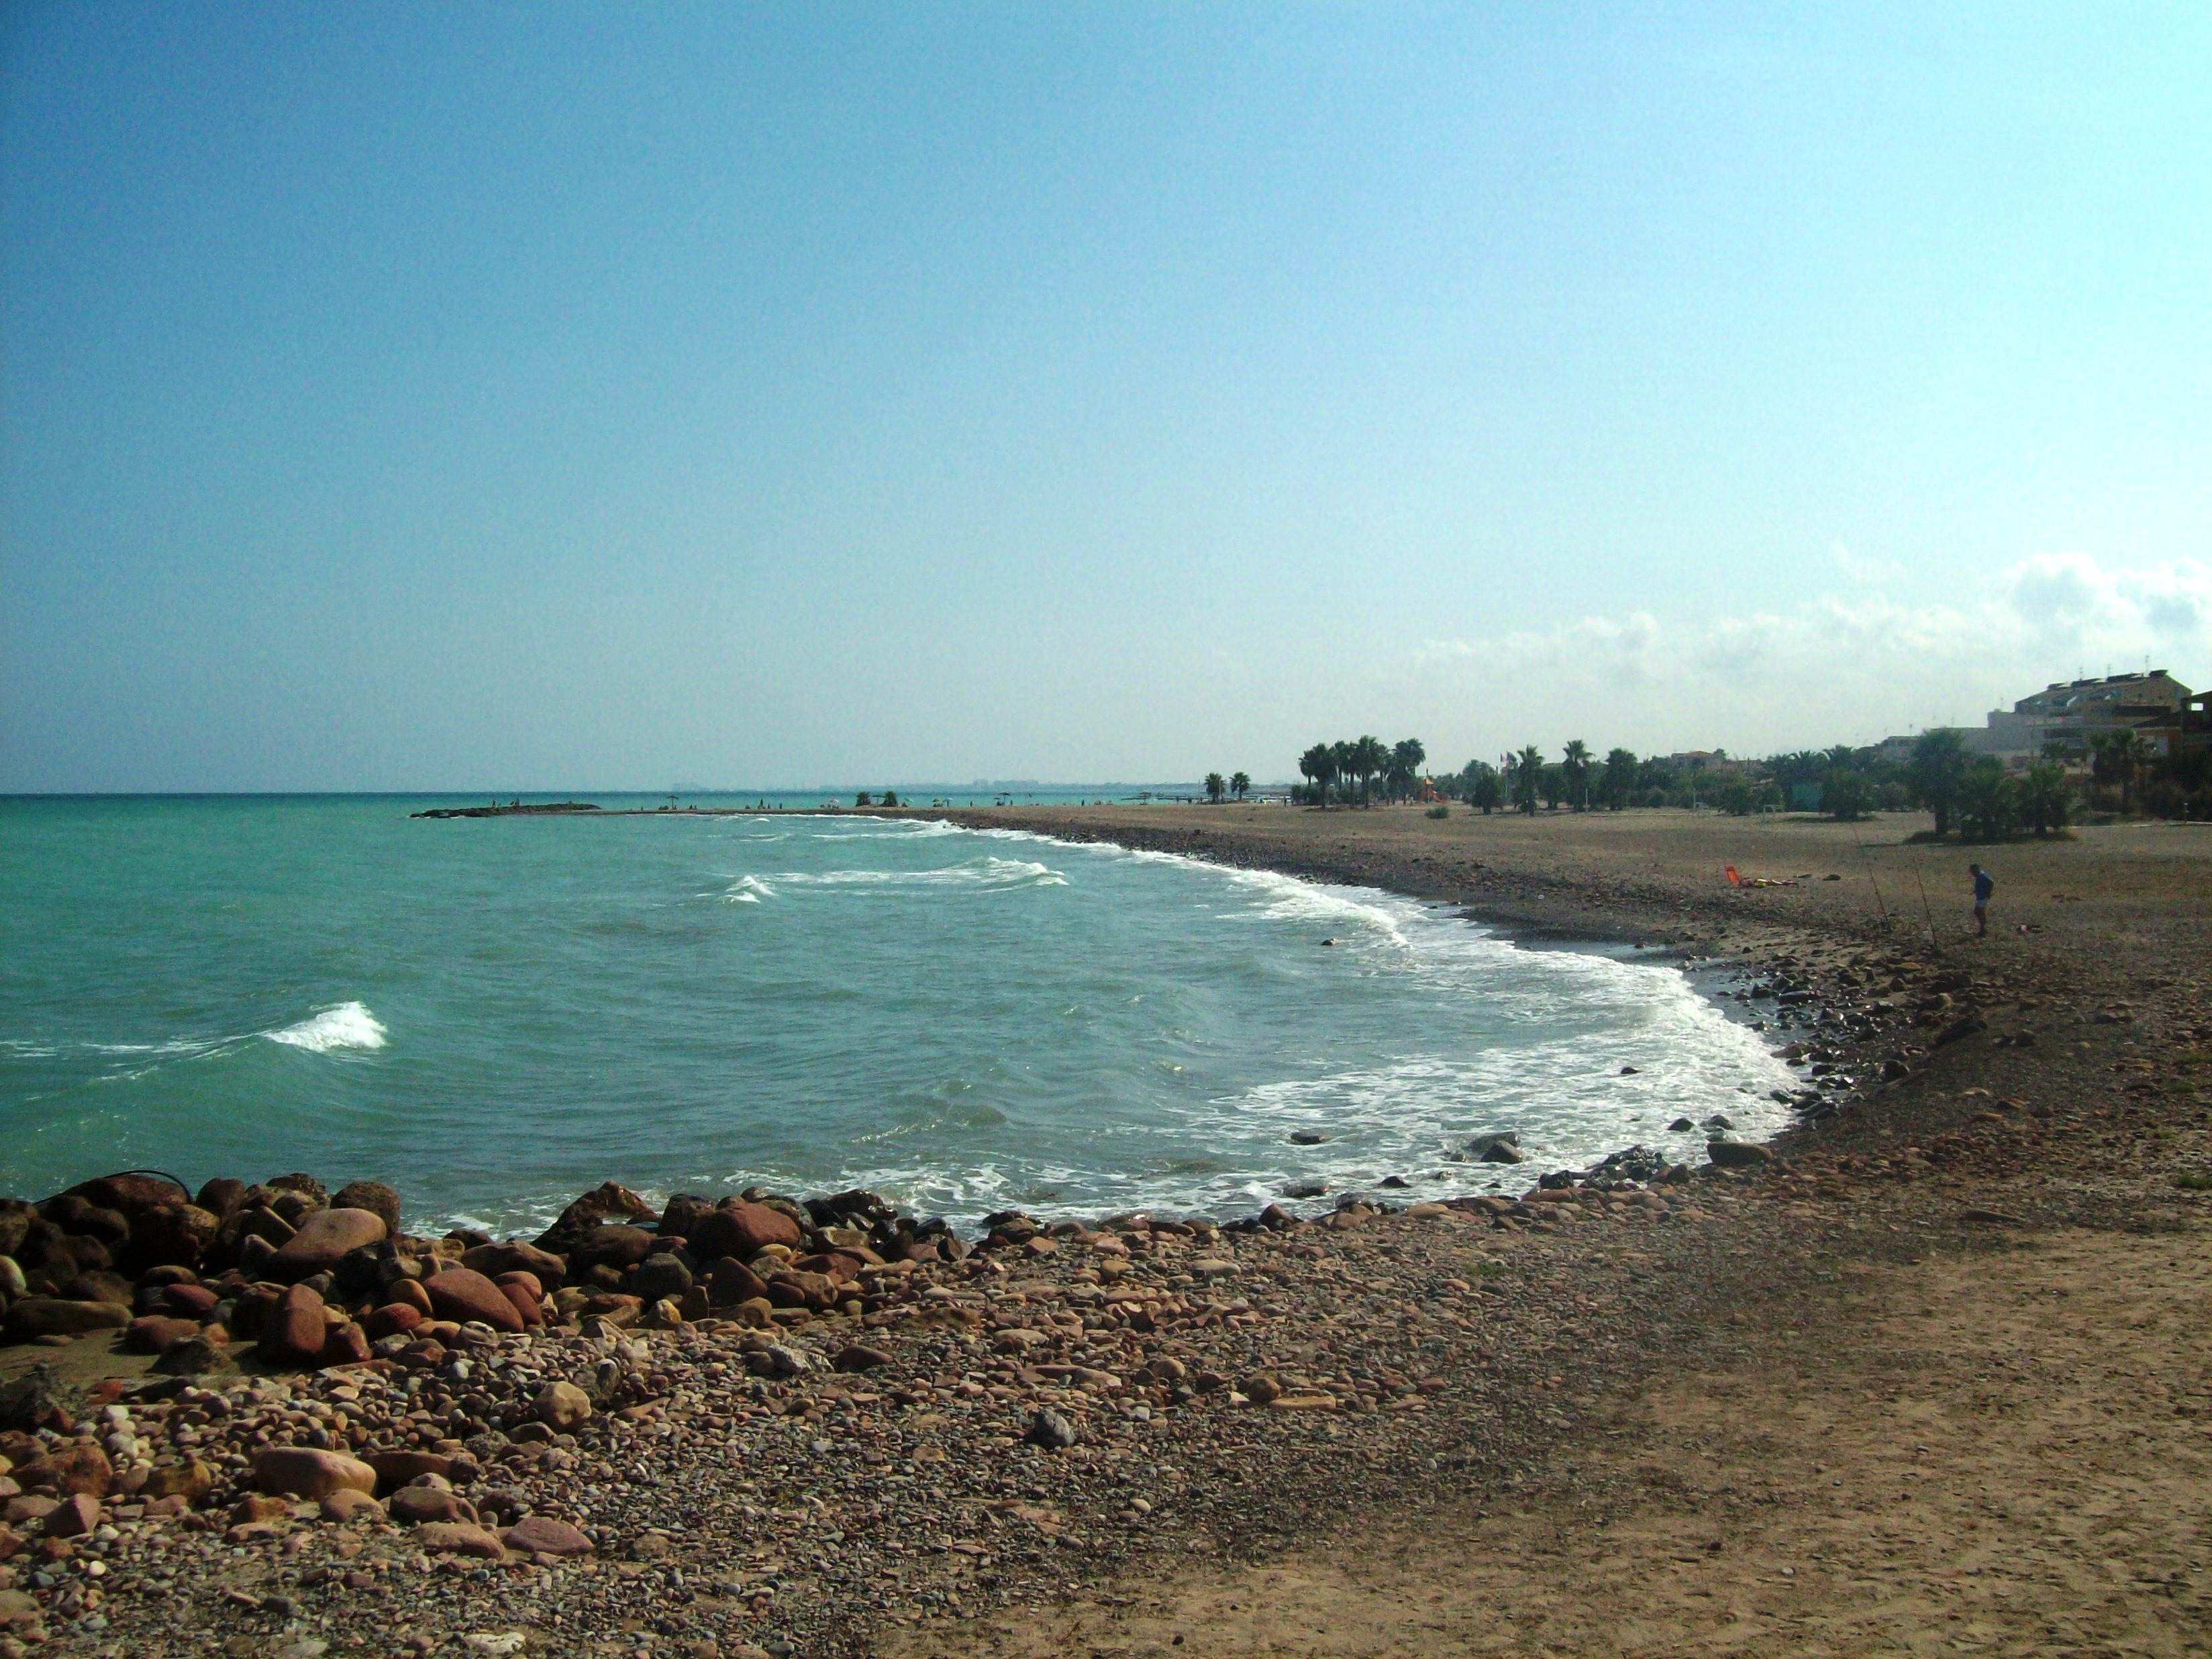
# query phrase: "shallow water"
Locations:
[[493, 1014]]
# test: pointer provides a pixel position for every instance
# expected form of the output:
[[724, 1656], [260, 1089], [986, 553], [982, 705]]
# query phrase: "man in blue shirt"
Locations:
[[1983, 888]]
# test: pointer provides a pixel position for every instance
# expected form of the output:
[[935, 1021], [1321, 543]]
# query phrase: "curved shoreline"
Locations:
[[1258, 1395]]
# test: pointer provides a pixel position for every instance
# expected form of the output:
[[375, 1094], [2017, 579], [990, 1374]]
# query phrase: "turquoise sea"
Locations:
[[494, 1014]]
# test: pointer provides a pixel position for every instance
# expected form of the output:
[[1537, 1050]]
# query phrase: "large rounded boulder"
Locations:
[[741, 1230]]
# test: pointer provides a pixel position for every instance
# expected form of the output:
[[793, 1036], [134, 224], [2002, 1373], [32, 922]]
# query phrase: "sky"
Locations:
[[465, 395]]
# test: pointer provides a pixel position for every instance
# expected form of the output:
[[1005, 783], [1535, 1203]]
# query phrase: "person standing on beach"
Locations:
[[1983, 888]]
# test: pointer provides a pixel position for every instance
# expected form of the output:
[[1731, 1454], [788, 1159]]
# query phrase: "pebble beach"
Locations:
[[790, 1424]]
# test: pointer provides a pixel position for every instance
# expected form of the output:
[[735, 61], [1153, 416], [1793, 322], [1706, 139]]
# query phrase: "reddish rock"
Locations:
[[82, 1467], [189, 1301], [461, 1294], [524, 1302], [860, 1358], [592, 1208], [324, 1236], [373, 1196], [729, 1282], [516, 1256], [73, 1213], [741, 1230], [74, 1517], [221, 1197], [305, 1471], [789, 1289], [346, 1345], [418, 1504], [612, 1246], [198, 1356], [306, 1185], [561, 1406], [129, 1194], [190, 1481], [541, 1534], [257, 1506], [459, 1537], [293, 1330], [54, 1315], [101, 1286], [832, 1264], [348, 1504], [528, 1282], [174, 1235], [158, 1333], [393, 1319], [395, 1469], [408, 1291]]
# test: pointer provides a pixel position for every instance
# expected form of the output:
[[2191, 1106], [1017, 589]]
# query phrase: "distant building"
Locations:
[[2070, 716]]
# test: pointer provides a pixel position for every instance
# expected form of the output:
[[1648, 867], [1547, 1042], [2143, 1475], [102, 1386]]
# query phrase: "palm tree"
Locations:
[[2045, 793], [1215, 788], [1527, 775], [1239, 783], [1936, 768], [1619, 776], [1406, 757], [1370, 761], [1988, 799], [1574, 763], [2121, 756], [1318, 763], [1347, 766]]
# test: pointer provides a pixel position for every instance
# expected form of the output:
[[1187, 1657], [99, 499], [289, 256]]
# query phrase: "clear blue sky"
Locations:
[[419, 396]]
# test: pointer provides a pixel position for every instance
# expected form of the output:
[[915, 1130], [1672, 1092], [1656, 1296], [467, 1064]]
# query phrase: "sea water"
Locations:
[[493, 1014]]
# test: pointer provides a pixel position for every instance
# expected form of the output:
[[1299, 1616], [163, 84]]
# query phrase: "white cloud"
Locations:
[[1840, 667]]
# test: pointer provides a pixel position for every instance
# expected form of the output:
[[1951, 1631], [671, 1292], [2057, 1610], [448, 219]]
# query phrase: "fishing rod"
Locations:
[[1924, 909], [1871, 882]]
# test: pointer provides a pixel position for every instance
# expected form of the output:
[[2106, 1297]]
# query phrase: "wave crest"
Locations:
[[347, 1025]]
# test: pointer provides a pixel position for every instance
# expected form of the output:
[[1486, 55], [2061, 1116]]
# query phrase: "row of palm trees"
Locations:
[[1580, 779], [1238, 784], [1361, 768]]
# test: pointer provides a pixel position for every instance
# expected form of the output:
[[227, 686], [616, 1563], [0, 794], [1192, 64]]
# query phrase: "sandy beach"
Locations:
[[1925, 1379]]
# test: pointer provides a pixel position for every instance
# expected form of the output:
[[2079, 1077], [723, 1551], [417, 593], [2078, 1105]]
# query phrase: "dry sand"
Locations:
[[2003, 1444]]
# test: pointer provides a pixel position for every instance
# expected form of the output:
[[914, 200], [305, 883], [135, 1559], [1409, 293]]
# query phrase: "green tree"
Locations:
[[1619, 777], [863, 799], [1574, 764], [1936, 770], [1370, 761], [1845, 795], [2119, 758], [1240, 784], [1988, 801], [1482, 786], [1528, 777], [1215, 787], [1407, 756], [1318, 763], [1348, 769], [1552, 780], [890, 798], [2045, 794]]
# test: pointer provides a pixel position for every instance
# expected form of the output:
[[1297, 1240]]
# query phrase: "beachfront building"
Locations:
[[2067, 717]]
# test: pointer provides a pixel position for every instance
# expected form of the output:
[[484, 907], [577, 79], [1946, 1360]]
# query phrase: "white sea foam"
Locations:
[[748, 889], [348, 1025], [986, 874]]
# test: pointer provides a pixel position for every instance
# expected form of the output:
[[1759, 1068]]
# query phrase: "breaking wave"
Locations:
[[348, 1025]]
